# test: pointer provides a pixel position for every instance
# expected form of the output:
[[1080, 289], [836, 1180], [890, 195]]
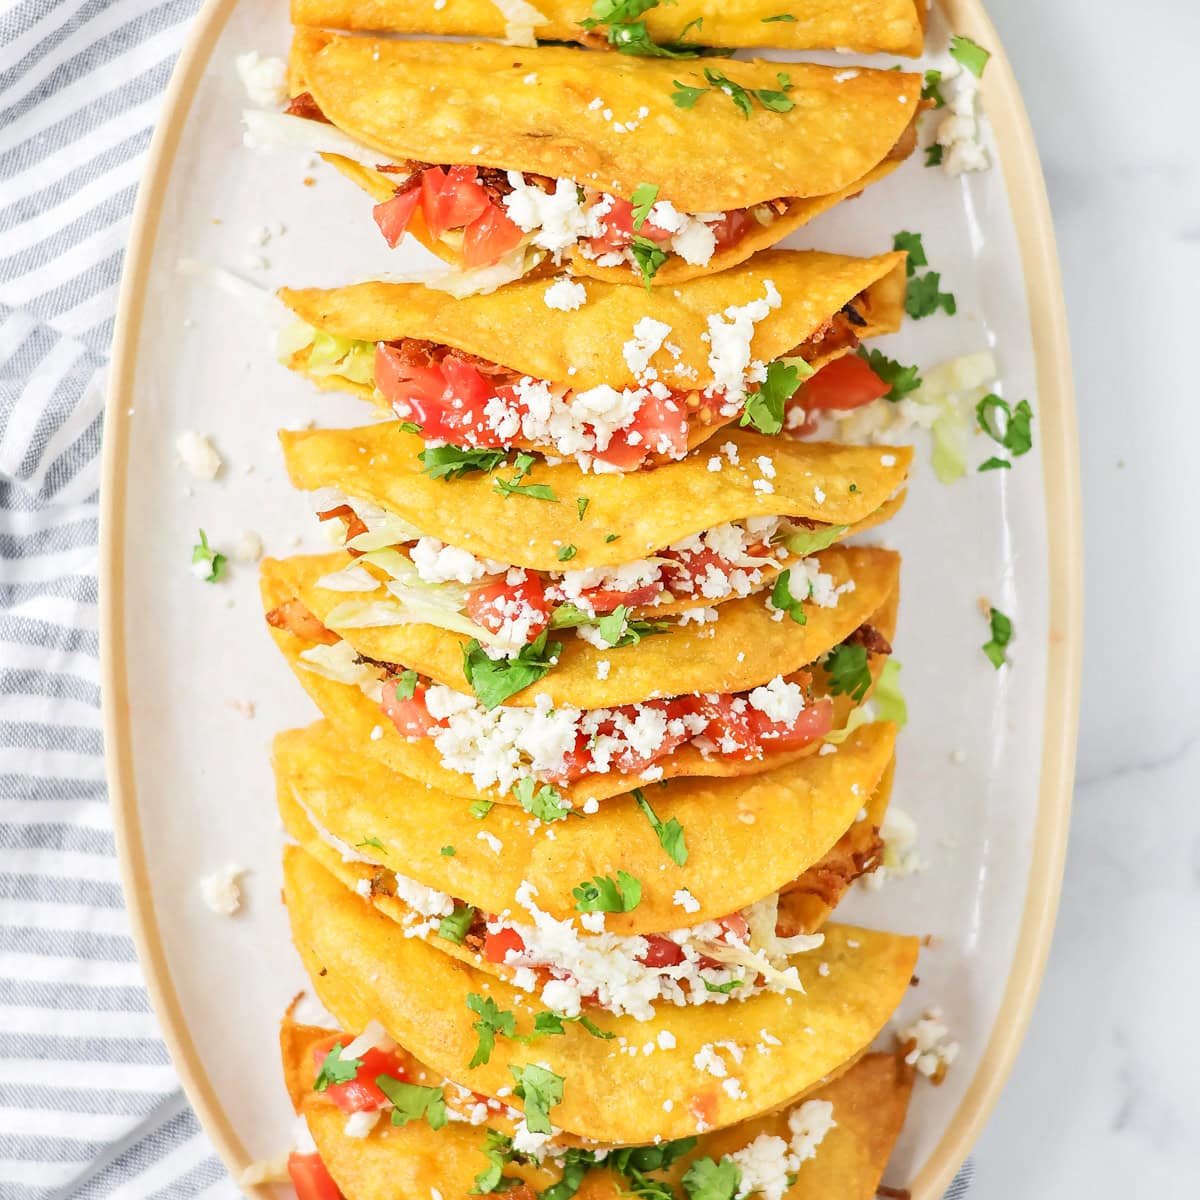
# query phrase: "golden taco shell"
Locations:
[[866, 27], [821, 482], [869, 1101], [362, 967], [746, 838]]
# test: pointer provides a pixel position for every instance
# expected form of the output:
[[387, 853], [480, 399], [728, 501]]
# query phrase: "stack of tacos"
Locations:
[[596, 643]]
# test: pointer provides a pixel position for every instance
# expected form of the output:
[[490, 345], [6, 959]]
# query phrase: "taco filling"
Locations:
[[485, 214]]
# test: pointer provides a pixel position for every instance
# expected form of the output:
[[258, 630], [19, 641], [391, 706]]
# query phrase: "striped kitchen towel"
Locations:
[[89, 1103]]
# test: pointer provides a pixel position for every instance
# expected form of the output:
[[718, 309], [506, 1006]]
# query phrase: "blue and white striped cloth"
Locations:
[[89, 1103]]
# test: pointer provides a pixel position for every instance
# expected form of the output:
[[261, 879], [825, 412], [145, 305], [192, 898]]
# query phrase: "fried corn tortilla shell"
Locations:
[[365, 730], [869, 1101], [362, 967], [745, 838], [743, 648], [462, 102], [814, 287], [649, 509], [864, 26]]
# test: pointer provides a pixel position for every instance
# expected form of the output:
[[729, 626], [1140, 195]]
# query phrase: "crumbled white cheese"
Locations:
[[197, 454], [647, 340], [932, 1050], [685, 900], [220, 890], [565, 294], [360, 1124], [248, 548], [265, 79], [730, 335], [958, 131]]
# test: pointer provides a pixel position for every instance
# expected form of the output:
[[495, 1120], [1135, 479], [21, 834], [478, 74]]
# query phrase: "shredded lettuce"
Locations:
[[889, 701], [338, 662], [804, 542], [862, 715], [383, 531], [481, 281], [271, 130], [350, 579]]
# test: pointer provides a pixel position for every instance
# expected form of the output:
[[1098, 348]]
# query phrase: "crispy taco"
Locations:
[[678, 29], [620, 380], [794, 830], [442, 1138], [581, 719], [719, 1064], [620, 168]]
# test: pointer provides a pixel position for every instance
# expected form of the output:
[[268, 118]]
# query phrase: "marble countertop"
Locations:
[[1102, 1100]]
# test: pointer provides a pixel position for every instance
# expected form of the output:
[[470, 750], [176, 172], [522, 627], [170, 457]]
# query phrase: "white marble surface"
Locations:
[[1102, 1102]]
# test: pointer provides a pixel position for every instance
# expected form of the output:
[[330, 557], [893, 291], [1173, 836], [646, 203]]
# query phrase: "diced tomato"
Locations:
[[841, 385], [814, 721], [631, 763], [661, 952], [451, 199], [393, 216], [737, 925], [618, 229], [360, 1094], [703, 1106], [406, 386], [493, 605], [490, 237], [732, 227], [660, 426], [310, 1178], [604, 600], [729, 724], [497, 945], [447, 400], [409, 715]]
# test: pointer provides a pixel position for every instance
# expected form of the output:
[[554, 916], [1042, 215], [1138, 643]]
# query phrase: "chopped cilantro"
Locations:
[[933, 155], [604, 894], [493, 680], [849, 671], [453, 462], [566, 553], [543, 802], [371, 841], [912, 245], [639, 1159], [497, 1148], [670, 834], [541, 1090], [649, 256], [492, 1020], [575, 1165], [1002, 632], [202, 552], [619, 629], [924, 297], [336, 1069], [1015, 434], [772, 99], [628, 35], [723, 988], [410, 427], [995, 464], [931, 89], [581, 505], [448, 851], [764, 408], [480, 808], [611, 537], [406, 684], [900, 379], [970, 54], [535, 491], [645, 195], [708, 1180], [454, 926], [782, 598], [411, 1102], [778, 17], [548, 1023]]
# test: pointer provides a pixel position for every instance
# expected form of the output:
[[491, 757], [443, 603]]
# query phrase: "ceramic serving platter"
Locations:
[[984, 764]]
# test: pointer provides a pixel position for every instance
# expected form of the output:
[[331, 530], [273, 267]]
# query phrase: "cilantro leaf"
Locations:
[[541, 1090], [493, 680], [649, 256], [1002, 632], [581, 505], [723, 988], [650, 1158], [411, 1102], [448, 851], [933, 155], [778, 17], [497, 1148], [605, 894], [782, 598], [480, 808], [453, 462], [202, 552], [995, 464], [618, 629], [336, 1069], [777, 100], [371, 841], [492, 1020], [628, 35], [645, 195], [566, 553], [575, 1165], [406, 684], [543, 802], [849, 671], [685, 96], [708, 1180], [1015, 434], [772, 99], [454, 926], [900, 379], [931, 89], [410, 427], [912, 245], [670, 835], [970, 54], [924, 298], [765, 408], [547, 1023], [535, 491]]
